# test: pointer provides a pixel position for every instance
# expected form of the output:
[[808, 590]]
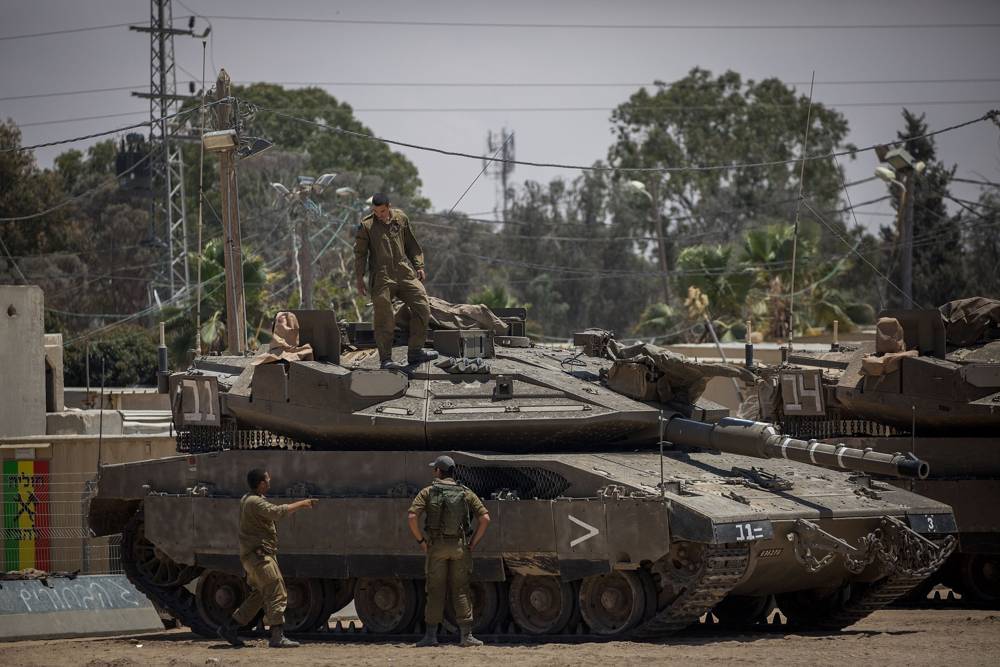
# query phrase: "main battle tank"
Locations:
[[622, 504], [928, 383]]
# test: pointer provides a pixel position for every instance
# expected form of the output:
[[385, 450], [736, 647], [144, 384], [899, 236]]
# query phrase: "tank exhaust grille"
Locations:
[[201, 439], [527, 483], [835, 426]]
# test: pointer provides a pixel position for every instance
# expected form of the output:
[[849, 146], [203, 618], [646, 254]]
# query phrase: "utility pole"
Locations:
[[305, 259], [236, 322], [654, 204], [169, 212], [502, 166], [899, 162], [906, 237]]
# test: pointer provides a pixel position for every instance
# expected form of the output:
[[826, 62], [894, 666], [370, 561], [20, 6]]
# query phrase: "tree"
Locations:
[[129, 357], [982, 245], [704, 120]]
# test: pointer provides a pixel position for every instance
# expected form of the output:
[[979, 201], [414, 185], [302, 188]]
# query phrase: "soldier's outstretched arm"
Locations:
[[301, 505]]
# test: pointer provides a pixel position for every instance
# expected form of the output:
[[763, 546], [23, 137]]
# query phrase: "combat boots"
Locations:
[[228, 632], [467, 638], [279, 640], [430, 637], [420, 356], [390, 365]]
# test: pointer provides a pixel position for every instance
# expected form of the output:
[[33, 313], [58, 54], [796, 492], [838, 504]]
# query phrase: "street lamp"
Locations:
[[900, 161], [638, 187], [301, 193]]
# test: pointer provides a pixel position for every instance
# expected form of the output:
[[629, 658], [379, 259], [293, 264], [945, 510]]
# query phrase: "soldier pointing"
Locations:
[[386, 248], [448, 507], [258, 548]]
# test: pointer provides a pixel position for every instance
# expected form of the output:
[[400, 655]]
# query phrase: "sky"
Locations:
[[564, 123]]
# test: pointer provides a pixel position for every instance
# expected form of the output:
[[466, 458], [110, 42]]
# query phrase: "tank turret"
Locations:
[[928, 381]]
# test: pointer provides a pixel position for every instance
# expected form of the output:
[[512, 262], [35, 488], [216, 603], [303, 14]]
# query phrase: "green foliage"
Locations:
[[657, 320], [713, 271], [181, 320], [326, 150], [128, 353], [494, 297]]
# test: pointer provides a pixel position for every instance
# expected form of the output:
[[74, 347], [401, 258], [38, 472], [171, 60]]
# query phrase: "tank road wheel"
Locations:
[[489, 606], [305, 604], [980, 576], [614, 603], [219, 595], [740, 611], [541, 605], [813, 608], [152, 565], [386, 605]]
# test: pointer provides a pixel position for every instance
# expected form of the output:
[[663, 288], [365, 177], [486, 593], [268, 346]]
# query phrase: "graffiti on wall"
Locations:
[[26, 527]]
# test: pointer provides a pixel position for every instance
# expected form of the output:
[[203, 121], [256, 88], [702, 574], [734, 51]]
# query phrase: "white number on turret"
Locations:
[[747, 532]]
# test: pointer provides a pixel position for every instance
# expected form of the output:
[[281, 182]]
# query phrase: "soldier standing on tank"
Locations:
[[386, 248], [258, 548], [448, 507]]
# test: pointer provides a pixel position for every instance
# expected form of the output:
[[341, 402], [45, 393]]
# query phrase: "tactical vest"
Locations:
[[447, 513]]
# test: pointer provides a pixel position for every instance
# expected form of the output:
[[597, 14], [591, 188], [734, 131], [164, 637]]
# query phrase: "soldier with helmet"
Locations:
[[448, 540]]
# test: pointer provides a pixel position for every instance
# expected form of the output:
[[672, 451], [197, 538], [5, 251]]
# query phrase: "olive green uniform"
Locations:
[[449, 563], [258, 549], [390, 254]]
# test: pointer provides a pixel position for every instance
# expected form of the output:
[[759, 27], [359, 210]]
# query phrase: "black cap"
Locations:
[[380, 199], [443, 463]]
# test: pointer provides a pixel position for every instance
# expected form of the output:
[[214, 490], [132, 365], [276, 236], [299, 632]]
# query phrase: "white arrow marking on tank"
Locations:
[[591, 531]]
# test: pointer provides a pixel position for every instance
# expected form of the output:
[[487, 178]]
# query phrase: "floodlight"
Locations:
[[220, 140]]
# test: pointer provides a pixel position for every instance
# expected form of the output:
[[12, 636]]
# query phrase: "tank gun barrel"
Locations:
[[760, 440]]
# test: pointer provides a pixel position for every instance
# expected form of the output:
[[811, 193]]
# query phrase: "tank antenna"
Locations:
[[798, 208]]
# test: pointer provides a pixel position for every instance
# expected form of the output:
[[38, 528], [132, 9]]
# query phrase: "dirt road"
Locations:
[[887, 638]]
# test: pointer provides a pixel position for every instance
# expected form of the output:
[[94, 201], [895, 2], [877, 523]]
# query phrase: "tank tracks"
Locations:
[[722, 569], [178, 601]]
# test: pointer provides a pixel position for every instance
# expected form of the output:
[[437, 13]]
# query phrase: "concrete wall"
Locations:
[[72, 461], [22, 360], [54, 373]]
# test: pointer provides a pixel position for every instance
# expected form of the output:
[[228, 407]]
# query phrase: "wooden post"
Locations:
[[236, 327]]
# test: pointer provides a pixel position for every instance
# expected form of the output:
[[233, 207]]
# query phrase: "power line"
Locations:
[[66, 92], [593, 84], [63, 32], [118, 130], [652, 107], [82, 195], [502, 84], [605, 26], [990, 115]]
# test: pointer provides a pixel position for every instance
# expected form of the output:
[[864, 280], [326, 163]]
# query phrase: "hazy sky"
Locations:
[[329, 52]]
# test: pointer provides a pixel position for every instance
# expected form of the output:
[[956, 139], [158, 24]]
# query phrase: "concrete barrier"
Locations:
[[89, 605]]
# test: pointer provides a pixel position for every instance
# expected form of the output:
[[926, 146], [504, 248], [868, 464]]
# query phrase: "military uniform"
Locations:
[[449, 562], [258, 551], [390, 254]]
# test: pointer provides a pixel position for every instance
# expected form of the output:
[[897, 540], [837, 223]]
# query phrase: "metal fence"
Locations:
[[44, 522]]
